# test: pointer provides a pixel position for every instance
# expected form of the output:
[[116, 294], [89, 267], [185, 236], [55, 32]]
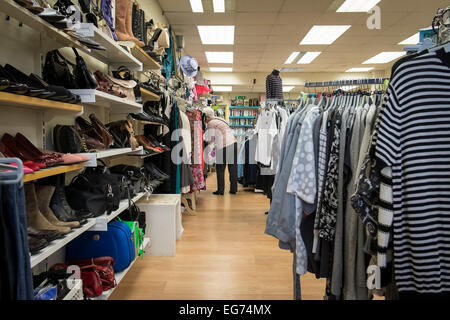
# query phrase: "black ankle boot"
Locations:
[[217, 193]]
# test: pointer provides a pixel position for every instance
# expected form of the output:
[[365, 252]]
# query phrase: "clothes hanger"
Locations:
[[14, 174]]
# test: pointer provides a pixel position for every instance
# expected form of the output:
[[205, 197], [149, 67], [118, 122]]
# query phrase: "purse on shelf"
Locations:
[[94, 133], [103, 266], [84, 79], [66, 139], [57, 70], [123, 134], [125, 87], [123, 73]]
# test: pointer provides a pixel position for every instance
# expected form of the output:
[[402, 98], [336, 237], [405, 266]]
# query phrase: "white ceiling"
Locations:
[[268, 31]]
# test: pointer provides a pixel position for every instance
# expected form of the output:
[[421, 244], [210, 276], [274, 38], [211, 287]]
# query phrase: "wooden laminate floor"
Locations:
[[223, 254]]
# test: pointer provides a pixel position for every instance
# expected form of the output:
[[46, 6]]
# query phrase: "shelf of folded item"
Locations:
[[149, 96], [101, 222], [21, 101], [55, 245], [244, 107], [120, 275], [114, 55], [243, 117], [109, 154], [53, 171], [241, 125], [14, 10], [99, 98]]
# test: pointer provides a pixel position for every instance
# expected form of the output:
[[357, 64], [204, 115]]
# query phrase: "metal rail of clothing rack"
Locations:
[[340, 83]]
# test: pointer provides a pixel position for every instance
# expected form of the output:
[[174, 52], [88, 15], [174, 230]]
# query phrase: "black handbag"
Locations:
[[84, 79], [66, 139], [135, 175], [133, 213], [57, 71]]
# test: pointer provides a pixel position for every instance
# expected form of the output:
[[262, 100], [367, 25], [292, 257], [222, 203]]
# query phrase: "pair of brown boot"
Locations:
[[39, 215], [124, 30]]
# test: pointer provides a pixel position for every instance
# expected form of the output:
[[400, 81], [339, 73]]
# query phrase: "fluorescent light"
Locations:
[[196, 5], [216, 69], [385, 57], [358, 5], [359, 69], [288, 88], [219, 57], [324, 34], [413, 40], [290, 70], [219, 5], [292, 57], [222, 89], [308, 57], [216, 34]]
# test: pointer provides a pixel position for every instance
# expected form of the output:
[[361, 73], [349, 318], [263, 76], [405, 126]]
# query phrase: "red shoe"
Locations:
[[9, 149], [34, 153]]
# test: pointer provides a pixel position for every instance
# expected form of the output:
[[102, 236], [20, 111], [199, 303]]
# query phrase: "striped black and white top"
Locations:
[[414, 140]]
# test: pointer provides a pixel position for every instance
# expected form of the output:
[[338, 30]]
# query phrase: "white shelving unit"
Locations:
[[115, 55], [109, 154], [58, 244], [101, 223], [120, 275], [115, 104]]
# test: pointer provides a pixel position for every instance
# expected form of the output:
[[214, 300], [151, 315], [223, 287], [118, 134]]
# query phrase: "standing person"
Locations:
[[219, 131]]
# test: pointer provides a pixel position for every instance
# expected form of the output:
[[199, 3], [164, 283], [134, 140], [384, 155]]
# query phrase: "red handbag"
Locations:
[[92, 284], [103, 267]]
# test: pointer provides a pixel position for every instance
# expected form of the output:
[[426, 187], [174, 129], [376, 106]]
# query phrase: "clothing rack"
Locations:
[[340, 83], [11, 174]]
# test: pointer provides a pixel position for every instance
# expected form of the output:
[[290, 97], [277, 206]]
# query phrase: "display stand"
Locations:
[[163, 216]]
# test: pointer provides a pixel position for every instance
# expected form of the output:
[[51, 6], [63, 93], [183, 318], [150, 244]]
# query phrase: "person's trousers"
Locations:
[[13, 207], [224, 157]]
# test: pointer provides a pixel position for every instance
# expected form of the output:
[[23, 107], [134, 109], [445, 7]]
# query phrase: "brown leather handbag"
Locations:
[[94, 134], [123, 134]]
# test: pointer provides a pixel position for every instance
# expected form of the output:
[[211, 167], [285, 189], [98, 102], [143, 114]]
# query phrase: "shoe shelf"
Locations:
[[14, 10], [149, 96], [148, 62], [102, 99], [101, 222], [59, 243], [120, 275], [143, 156], [18, 100], [114, 55], [109, 154], [53, 171]]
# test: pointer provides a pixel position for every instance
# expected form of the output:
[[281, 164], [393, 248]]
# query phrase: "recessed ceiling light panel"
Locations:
[[196, 5], [358, 5], [385, 57], [219, 5], [218, 69], [222, 88], [216, 34], [219, 57], [323, 35], [308, 57], [290, 70], [292, 57]]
